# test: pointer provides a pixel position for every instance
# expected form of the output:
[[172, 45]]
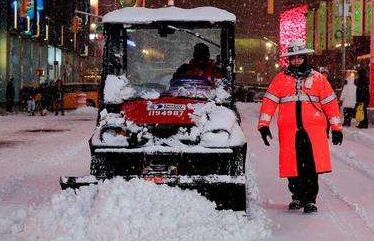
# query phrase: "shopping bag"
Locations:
[[359, 112]]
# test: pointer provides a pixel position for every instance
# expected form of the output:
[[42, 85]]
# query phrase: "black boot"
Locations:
[[310, 208], [295, 205]]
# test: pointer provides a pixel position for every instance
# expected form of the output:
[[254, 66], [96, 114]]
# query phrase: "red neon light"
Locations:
[[292, 26]]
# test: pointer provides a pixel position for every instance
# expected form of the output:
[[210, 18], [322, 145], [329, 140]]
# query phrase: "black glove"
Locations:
[[337, 137], [265, 132]]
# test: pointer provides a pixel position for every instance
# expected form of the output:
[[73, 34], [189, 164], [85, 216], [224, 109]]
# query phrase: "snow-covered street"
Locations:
[[35, 151]]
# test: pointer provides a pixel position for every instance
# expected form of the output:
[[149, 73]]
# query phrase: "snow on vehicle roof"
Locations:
[[140, 15]]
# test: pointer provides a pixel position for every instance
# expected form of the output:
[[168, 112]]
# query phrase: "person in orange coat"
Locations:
[[306, 103]]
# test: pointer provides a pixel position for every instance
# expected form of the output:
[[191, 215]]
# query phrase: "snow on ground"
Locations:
[[88, 110], [32, 206], [36, 151]]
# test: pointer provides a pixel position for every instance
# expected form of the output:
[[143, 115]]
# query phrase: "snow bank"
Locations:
[[11, 222], [89, 110], [134, 210]]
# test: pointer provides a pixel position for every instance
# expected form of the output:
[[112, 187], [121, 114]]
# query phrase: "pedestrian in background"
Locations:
[[44, 102], [305, 100], [38, 101], [363, 95], [348, 99], [59, 97], [9, 95], [31, 105]]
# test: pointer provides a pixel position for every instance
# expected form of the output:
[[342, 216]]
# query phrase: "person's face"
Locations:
[[296, 60]]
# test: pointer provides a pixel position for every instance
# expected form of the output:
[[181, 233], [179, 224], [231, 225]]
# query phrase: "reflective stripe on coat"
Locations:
[[319, 105]]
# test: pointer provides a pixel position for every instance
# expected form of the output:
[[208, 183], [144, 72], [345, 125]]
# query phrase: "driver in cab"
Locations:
[[201, 69]]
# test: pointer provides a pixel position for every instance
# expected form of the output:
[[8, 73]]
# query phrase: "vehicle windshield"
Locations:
[[153, 59]]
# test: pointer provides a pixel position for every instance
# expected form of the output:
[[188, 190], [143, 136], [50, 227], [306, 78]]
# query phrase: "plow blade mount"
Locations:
[[227, 192], [110, 162]]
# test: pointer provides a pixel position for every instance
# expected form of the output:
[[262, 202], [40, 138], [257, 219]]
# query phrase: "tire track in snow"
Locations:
[[51, 163], [354, 206], [359, 211], [357, 135], [348, 158], [14, 183], [341, 223]]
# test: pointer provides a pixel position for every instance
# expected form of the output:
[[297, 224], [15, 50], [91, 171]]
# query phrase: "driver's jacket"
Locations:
[[209, 72], [318, 104]]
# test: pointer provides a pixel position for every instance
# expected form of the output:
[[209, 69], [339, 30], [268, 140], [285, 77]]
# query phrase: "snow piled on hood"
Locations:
[[218, 125], [220, 94], [116, 89], [135, 210], [150, 95], [215, 125]]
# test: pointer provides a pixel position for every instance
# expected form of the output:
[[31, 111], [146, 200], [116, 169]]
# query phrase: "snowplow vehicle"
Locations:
[[163, 126]]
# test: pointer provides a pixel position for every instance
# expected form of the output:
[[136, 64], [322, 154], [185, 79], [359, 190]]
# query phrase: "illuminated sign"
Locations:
[[292, 26], [357, 17], [40, 5], [28, 17], [321, 26], [368, 12]]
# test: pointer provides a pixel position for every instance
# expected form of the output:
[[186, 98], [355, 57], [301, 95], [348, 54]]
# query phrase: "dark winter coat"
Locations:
[[10, 92], [208, 71], [363, 91]]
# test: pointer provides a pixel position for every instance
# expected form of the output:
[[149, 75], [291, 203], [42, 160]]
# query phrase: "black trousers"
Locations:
[[348, 115], [59, 106], [9, 106], [305, 186]]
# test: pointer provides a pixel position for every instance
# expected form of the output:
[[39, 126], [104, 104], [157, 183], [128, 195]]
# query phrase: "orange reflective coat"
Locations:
[[319, 105]]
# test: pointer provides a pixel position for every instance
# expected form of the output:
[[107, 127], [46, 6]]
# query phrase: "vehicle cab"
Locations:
[[154, 122]]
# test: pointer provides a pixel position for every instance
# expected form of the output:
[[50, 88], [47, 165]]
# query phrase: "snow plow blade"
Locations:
[[227, 192]]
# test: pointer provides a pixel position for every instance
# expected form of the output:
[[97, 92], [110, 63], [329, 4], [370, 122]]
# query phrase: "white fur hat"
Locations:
[[297, 47]]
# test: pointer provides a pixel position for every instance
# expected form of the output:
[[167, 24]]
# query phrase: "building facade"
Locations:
[[37, 43]]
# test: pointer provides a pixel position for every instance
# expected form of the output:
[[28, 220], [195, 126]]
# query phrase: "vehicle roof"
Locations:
[[140, 15]]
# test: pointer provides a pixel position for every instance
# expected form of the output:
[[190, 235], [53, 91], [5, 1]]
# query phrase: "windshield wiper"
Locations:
[[195, 34]]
